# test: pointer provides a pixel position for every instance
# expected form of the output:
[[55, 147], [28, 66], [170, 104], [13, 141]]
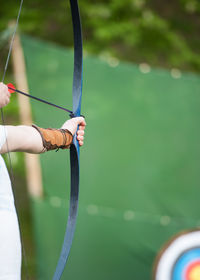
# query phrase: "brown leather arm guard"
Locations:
[[55, 138]]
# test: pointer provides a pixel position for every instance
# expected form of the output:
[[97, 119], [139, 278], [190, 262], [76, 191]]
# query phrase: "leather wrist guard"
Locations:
[[55, 138]]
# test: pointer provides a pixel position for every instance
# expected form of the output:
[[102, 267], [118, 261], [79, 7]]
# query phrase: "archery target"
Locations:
[[180, 259]]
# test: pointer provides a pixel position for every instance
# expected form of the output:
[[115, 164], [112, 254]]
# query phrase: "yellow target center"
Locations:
[[195, 273]]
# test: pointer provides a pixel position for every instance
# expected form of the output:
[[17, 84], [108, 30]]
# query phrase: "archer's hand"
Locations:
[[4, 95], [72, 125]]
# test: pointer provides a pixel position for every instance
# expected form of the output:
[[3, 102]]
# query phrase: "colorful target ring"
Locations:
[[180, 258]]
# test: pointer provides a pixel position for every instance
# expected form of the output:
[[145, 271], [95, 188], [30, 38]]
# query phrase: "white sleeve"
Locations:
[[3, 135], [10, 246], [10, 243]]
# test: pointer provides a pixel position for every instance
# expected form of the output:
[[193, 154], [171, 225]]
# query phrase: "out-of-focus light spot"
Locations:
[[144, 68], [165, 220], [52, 66], [176, 73], [129, 215], [191, 6], [104, 56], [148, 16], [92, 209], [107, 57], [138, 3], [113, 62], [55, 201]]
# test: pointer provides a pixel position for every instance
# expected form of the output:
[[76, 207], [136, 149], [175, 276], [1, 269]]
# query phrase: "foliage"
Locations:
[[161, 33]]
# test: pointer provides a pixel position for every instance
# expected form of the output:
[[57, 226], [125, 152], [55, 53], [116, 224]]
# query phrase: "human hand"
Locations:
[[72, 125], [4, 95]]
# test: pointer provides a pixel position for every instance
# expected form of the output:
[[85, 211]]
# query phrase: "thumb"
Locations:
[[73, 123], [79, 120]]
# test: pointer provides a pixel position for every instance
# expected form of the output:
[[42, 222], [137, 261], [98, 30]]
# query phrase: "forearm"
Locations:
[[36, 140], [24, 139]]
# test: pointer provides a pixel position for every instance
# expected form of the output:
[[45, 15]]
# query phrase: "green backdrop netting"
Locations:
[[139, 166]]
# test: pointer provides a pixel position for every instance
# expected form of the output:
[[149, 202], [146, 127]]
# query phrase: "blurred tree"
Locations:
[[161, 33]]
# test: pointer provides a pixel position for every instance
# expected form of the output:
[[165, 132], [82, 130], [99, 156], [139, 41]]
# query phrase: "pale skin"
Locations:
[[4, 95], [26, 138]]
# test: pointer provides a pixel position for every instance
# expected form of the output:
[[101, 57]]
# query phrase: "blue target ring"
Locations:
[[187, 260]]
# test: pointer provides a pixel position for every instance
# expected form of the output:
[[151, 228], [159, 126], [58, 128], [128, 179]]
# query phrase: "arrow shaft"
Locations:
[[41, 100]]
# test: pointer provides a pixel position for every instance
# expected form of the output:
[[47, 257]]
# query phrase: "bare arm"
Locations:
[[27, 139], [22, 138]]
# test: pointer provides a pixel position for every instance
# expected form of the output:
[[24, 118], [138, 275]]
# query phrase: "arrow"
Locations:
[[12, 89]]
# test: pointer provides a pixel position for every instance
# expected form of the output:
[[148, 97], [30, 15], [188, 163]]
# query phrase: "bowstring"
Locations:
[[12, 41], [7, 146]]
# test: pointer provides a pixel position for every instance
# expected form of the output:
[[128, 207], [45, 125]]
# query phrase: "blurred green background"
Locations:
[[139, 169]]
